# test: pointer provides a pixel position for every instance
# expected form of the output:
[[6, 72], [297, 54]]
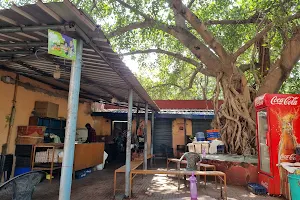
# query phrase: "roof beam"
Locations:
[[90, 42], [8, 20], [10, 37], [23, 44], [7, 53], [24, 14], [45, 74], [87, 80], [65, 27], [86, 19], [94, 46], [28, 36], [42, 6]]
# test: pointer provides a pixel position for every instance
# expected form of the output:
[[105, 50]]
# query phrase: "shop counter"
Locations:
[[88, 155]]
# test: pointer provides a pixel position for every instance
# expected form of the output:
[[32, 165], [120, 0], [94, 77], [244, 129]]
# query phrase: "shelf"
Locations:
[[42, 166]]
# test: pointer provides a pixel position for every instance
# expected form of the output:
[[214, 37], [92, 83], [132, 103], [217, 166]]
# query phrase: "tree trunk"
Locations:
[[233, 119]]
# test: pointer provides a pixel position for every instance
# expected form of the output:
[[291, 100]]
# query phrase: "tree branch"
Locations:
[[281, 69], [259, 35], [167, 84], [199, 66], [252, 41], [130, 27], [93, 6], [200, 28], [176, 55], [250, 20], [191, 3], [134, 10], [192, 79], [246, 67], [201, 51]]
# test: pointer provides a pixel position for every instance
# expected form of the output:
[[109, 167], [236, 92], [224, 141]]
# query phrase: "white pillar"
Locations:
[[69, 144], [145, 137], [128, 145]]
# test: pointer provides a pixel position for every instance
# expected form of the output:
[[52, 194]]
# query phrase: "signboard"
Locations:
[[61, 45]]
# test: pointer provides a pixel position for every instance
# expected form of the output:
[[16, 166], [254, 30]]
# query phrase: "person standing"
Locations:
[[91, 134]]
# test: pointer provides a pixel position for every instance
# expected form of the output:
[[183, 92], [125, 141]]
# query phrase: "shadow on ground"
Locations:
[[99, 186]]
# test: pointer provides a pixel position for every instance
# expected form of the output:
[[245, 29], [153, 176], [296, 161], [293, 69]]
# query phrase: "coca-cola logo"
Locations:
[[291, 157], [265, 184], [287, 101]]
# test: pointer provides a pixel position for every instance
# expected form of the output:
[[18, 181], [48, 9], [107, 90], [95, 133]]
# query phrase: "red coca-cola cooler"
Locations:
[[278, 133]]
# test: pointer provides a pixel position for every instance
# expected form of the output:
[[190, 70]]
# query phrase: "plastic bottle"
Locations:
[[200, 136], [193, 187]]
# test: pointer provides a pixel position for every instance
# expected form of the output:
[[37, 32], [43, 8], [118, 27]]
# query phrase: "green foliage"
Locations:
[[292, 84]]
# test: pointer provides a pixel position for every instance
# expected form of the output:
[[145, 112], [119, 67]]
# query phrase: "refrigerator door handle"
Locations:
[[268, 139]]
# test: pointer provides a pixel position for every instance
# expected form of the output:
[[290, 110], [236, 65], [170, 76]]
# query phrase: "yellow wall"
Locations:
[[148, 132], [102, 126], [25, 100], [177, 134]]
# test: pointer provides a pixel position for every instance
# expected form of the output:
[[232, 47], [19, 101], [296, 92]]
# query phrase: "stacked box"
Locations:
[[30, 134], [46, 109]]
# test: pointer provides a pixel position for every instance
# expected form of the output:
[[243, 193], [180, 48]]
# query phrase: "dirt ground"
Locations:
[[99, 185]]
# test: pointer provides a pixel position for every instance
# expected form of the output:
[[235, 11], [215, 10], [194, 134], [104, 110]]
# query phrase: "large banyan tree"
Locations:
[[248, 46]]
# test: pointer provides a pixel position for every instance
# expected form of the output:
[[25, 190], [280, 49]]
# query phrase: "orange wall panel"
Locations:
[[178, 132], [25, 101], [102, 126]]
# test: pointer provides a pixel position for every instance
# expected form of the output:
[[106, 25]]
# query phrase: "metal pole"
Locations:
[[128, 144], [68, 159], [184, 120], [66, 27], [145, 137], [152, 133]]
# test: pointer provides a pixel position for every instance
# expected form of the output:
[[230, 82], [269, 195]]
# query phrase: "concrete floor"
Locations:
[[99, 185]]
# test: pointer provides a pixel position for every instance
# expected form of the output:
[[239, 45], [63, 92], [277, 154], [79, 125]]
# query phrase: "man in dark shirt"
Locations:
[[91, 134]]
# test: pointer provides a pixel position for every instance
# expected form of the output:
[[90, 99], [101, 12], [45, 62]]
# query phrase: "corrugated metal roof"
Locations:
[[23, 49]]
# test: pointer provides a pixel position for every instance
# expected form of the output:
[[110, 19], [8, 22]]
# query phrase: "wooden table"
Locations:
[[148, 157], [142, 158], [219, 174], [133, 166], [200, 165]]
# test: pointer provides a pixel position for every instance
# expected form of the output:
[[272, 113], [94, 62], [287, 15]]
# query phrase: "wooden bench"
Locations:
[[219, 174], [133, 166], [203, 166]]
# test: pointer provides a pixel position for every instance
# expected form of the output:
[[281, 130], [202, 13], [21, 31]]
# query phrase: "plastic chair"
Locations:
[[21, 187], [192, 159]]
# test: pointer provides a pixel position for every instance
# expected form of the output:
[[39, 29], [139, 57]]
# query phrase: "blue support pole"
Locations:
[[128, 145], [146, 137], [69, 145]]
